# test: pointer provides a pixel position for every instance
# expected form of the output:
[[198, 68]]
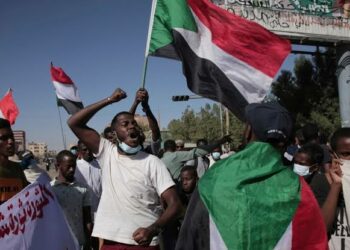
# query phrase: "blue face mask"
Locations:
[[129, 150], [216, 155]]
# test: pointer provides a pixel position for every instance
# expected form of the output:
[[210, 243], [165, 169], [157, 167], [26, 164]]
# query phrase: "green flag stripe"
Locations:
[[170, 14], [251, 197]]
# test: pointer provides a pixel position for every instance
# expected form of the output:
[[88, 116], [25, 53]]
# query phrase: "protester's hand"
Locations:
[[117, 95], [143, 97], [335, 171], [143, 236]]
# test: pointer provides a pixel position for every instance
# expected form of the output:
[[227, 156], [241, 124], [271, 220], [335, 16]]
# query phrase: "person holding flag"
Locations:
[[250, 200]]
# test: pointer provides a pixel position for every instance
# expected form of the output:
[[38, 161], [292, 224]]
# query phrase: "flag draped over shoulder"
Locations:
[[8, 107], [254, 202], [66, 91], [225, 57]]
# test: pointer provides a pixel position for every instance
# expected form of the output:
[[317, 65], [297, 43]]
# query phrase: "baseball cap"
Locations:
[[269, 121]]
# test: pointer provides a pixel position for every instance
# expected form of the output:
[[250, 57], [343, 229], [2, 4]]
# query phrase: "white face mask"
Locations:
[[129, 150], [301, 170], [216, 155], [345, 167]]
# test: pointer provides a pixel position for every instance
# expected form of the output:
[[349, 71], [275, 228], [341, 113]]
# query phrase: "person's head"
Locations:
[[180, 145], [169, 146], [202, 142], [308, 159], [340, 143], [298, 137], [7, 140], [66, 164], [268, 122], [108, 133], [188, 178], [310, 133], [84, 152], [216, 153], [127, 132]]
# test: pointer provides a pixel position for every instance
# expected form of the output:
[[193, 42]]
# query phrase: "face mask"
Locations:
[[129, 150], [345, 167], [301, 170], [216, 155]]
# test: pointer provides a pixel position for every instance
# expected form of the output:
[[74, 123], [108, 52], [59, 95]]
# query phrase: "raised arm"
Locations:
[[138, 98], [329, 207], [78, 121], [152, 121]]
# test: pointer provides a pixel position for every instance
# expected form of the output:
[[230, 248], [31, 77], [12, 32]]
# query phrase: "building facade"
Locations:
[[38, 149], [20, 140]]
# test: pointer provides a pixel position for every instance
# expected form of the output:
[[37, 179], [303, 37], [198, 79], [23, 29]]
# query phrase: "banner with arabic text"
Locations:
[[33, 219]]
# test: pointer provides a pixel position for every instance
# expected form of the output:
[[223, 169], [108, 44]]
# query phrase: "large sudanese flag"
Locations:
[[251, 201], [66, 91], [8, 107], [225, 58]]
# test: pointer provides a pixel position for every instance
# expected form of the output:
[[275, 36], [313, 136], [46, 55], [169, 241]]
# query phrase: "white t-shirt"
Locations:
[[131, 187], [89, 173], [340, 238]]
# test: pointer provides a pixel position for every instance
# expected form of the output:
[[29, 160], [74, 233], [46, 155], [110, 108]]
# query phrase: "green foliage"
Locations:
[[205, 124], [310, 93]]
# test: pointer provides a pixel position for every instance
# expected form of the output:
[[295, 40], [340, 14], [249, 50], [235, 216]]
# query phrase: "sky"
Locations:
[[101, 45]]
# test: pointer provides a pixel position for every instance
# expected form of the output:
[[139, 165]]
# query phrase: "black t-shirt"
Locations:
[[12, 181], [319, 186]]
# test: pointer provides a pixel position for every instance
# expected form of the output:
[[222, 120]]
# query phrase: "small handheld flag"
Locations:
[[66, 91]]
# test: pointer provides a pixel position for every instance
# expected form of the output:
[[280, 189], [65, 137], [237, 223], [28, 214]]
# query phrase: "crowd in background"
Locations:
[[117, 193]]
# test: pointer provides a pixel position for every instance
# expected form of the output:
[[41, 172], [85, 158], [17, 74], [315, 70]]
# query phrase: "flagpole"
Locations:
[[150, 26], [144, 72], [63, 137]]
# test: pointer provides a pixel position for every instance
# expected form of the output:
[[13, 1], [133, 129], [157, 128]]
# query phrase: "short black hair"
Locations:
[[4, 123], [115, 118], [62, 154], [201, 142], [189, 168], [310, 132], [314, 151], [107, 130], [337, 135], [169, 145]]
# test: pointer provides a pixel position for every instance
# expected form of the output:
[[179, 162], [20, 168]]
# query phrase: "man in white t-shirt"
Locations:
[[133, 182]]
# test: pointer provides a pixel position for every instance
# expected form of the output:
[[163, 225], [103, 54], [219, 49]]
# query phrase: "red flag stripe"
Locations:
[[9, 108], [58, 75], [308, 230], [232, 34]]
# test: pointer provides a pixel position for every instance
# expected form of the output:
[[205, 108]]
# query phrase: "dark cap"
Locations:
[[269, 121]]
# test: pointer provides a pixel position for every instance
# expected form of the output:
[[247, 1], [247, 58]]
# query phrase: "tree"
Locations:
[[310, 93], [204, 124]]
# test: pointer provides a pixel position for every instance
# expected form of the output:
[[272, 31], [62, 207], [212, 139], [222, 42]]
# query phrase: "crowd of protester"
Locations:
[[117, 193]]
